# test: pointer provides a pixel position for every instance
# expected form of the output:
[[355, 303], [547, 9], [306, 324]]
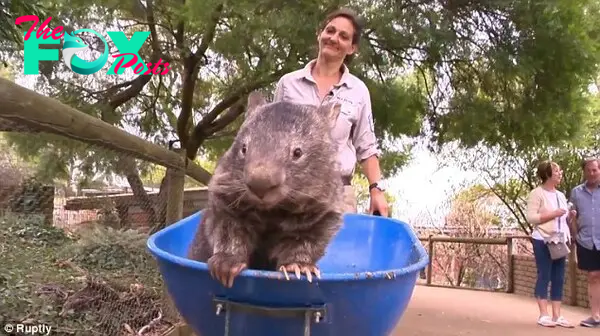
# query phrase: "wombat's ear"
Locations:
[[255, 100], [332, 112]]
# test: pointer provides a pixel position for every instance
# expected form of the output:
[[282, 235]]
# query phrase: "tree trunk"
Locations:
[[127, 166]]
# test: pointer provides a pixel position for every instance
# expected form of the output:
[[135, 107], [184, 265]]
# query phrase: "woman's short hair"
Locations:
[[352, 16], [544, 170]]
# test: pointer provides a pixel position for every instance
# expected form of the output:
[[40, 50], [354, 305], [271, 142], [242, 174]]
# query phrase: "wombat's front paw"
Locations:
[[299, 268], [225, 267]]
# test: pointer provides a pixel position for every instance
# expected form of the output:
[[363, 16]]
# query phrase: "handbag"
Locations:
[[557, 242]]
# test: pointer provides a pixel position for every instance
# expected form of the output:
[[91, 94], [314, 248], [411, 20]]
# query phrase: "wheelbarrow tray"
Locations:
[[368, 275]]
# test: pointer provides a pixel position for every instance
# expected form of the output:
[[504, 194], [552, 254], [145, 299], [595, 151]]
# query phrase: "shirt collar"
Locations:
[[345, 80]]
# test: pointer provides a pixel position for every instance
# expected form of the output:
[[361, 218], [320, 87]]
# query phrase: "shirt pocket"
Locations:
[[343, 127]]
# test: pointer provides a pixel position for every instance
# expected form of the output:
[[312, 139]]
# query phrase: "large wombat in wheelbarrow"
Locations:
[[275, 200], [368, 276]]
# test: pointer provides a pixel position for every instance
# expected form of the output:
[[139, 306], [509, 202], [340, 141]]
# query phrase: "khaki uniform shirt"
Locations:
[[354, 131]]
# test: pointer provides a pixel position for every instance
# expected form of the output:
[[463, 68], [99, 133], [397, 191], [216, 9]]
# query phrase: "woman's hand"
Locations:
[[378, 203], [559, 212]]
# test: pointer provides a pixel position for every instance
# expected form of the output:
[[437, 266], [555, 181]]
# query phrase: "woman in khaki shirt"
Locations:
[[327, 79]]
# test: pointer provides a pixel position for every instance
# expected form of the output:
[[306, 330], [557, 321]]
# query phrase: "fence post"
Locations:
[[175, 185], [572, 275], [175, 191], [510, 268], [430, 265]]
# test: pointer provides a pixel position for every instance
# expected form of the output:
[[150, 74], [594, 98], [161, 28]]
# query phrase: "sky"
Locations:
[[422, 188]]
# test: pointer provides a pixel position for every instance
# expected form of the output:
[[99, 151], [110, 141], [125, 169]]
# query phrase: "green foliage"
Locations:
[[61, 159], [31, 231], [478, 205], [471, 194], [107, 249], [89, 283], [10, 35], [523, 89], [26, 244], [498, 73], [510, 175]]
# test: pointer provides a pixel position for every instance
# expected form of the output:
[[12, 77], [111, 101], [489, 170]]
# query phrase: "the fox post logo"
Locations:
[[128, 50]]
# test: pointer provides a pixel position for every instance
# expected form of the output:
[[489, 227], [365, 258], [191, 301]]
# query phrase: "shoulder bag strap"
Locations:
[[559, 217]]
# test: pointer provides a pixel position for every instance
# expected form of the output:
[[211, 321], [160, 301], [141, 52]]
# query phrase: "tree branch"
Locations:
[[228, 117], [138, 84], [203, 128], [190, 74]]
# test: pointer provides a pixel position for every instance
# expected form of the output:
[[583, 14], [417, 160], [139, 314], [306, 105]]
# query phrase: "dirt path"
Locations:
[[444, 312]]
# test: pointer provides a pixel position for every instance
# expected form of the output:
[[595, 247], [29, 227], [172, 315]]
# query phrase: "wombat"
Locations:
[[275, 200]]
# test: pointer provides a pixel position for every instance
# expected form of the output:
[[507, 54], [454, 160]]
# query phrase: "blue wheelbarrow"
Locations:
[[367, 279]]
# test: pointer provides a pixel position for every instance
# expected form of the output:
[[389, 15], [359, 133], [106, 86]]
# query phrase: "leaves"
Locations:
[[91, 282], [522, 88], [499, 73]]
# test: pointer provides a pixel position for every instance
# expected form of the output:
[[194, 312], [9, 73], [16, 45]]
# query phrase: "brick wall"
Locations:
[[131, 209], [525, 277], [193, 201]]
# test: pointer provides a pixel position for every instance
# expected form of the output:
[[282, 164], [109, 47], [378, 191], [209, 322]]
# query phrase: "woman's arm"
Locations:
[[278, 94], [572, 218], [365, 142], [532, 214]]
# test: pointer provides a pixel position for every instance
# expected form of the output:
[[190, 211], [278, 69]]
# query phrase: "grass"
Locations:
[[100, 281]]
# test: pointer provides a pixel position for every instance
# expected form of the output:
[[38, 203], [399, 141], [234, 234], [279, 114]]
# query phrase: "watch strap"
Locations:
[[374, 185]]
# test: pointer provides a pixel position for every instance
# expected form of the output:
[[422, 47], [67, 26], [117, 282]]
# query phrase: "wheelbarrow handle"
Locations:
[[313, 313]]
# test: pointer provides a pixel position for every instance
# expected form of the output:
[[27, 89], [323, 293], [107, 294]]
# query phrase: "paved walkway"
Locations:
[[444, 312]]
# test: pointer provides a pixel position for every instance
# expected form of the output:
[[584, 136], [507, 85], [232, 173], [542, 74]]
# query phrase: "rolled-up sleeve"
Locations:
[[364, 138], [278, 95]]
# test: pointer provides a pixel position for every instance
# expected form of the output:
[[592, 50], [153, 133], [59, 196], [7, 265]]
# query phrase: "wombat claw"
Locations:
[[227, 276], [300, 268], [225, 269]]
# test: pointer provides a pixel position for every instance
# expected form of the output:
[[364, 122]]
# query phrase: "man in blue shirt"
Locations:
[[586, 206]]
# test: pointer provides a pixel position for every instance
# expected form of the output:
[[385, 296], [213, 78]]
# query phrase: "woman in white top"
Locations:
[[547, 211]]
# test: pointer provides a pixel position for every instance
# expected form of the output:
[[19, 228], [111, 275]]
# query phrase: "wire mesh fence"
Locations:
[[75, 219]]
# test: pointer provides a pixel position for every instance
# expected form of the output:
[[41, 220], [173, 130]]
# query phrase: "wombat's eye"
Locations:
[[244, 149], [297, 153]]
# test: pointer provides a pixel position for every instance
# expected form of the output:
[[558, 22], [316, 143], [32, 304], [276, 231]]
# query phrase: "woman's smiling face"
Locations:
[[335, 40]]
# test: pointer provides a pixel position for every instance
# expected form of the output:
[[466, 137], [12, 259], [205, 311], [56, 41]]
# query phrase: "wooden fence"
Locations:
[[519, 269]]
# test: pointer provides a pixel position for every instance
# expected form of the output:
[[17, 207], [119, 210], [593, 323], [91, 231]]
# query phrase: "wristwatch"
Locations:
[[379, 185]]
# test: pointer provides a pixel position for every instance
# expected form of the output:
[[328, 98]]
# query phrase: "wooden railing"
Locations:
[[509, 242]]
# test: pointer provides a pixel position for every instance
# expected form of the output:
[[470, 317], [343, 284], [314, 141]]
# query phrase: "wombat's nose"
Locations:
[[261, 186], [262, 180]]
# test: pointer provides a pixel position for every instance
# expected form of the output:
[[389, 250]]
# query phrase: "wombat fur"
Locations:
[[275, 200]]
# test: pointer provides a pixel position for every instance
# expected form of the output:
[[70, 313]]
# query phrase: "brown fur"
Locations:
[[301, 209]]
